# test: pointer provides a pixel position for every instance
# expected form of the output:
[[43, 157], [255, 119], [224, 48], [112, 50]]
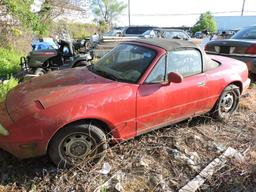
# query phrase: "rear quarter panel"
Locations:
[[230, 71]]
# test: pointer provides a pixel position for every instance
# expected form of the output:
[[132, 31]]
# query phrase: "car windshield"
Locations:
[[170, 34], [125, 63], [111, 33], [147, 32], [246, 33], [137, 30]]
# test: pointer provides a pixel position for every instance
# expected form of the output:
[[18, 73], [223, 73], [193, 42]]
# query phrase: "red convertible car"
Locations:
[[139, 86]]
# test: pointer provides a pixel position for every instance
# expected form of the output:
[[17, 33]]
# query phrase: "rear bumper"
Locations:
[[246, 85]]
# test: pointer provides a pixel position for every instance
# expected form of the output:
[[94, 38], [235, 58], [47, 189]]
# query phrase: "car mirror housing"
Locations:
[[174, 77]]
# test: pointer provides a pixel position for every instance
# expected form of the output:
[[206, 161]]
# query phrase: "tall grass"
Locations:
[[6, 86], [9, 62]]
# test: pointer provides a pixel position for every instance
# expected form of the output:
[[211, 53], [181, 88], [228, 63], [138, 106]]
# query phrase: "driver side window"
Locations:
[[186, 62], [157, 75]]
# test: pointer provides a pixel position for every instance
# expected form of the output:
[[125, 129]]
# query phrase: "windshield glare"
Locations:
[[246, 33], [126, 62]]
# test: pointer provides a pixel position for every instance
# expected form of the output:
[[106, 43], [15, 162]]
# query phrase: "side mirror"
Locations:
[[174, 77]]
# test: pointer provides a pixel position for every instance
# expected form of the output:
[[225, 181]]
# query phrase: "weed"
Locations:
[[9, 61], [6, 86]]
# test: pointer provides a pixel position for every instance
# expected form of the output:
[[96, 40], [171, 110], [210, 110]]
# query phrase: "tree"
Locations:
[[21, 11], [16, 20], [52, 9], [106, 11], [206, 22]]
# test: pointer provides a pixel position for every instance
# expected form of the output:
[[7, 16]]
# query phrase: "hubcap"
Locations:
[[76, 146], [227, 103]]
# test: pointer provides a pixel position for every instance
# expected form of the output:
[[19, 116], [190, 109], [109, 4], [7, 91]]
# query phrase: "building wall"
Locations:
[[225, 23]]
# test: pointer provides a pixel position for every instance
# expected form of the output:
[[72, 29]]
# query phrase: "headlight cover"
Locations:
[[3, 131]]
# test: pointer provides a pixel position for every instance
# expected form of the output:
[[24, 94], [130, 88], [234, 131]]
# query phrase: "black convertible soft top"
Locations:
[[166, 43]]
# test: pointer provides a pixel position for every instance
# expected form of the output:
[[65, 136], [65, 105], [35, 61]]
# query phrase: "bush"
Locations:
[[9, 62], [6, 86]]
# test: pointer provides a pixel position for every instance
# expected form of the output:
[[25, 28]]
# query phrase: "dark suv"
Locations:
[[135, 31]]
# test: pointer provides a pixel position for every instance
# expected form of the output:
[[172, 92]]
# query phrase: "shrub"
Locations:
[[6, 86], [9, 62]]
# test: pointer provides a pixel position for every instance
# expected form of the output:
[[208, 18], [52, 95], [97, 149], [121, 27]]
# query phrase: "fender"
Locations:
[[86, 58]]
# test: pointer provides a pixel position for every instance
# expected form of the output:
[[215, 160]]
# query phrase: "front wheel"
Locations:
[[78, 143], [227, 103]]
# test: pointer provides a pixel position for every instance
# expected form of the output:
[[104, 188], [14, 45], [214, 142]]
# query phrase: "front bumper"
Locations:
[[18, 139], [3, 131]]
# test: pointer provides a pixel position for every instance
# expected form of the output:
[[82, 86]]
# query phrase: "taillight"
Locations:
[[206, 47], [251, 50]]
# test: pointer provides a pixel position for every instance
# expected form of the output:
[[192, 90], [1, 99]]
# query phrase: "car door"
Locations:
[[159, 104]]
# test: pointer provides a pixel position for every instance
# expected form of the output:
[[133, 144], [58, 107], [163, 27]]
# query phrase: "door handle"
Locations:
[[201, 84]]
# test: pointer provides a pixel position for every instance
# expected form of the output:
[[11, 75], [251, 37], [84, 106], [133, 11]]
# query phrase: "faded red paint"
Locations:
[[36, 110]]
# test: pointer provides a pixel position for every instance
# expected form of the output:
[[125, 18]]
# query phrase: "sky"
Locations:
[[181, 12], [171, 13]]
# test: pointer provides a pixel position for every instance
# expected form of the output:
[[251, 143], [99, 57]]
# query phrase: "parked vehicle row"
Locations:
[[165, 33], [147, 32]]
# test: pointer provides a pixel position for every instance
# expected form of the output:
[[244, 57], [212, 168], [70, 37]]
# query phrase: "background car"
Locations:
[[198, 35], [113, 33], [165, 33], [241, 46], [174, 34], [135, 31], [137, 87]]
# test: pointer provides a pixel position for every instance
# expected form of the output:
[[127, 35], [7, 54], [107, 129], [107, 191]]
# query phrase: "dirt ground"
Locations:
[[163, 160]]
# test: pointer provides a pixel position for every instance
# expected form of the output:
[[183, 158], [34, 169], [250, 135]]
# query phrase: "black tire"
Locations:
[[77, 143], [39, 72], [87, 45], [227, 103], [81, 64]]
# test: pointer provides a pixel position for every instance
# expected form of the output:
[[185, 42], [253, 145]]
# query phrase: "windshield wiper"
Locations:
[[103, 73]]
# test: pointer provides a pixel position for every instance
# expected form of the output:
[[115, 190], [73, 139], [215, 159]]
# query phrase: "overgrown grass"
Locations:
[[6, 86], [9, 62]]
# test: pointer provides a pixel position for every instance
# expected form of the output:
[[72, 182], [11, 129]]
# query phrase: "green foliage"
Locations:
[[107, 10], [21, 9], [80, 31], [9, 61], [205, 22], [76, 30], [103, 26], [6, 86]]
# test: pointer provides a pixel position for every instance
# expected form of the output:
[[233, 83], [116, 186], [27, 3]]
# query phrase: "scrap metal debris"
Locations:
[[209, 170]]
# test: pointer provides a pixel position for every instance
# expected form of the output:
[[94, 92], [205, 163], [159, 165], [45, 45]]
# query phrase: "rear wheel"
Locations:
[[227, 103], [39, 72], [78, 143]]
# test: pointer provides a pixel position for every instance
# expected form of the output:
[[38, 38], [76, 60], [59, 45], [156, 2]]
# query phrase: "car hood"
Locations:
[[55, 88]]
